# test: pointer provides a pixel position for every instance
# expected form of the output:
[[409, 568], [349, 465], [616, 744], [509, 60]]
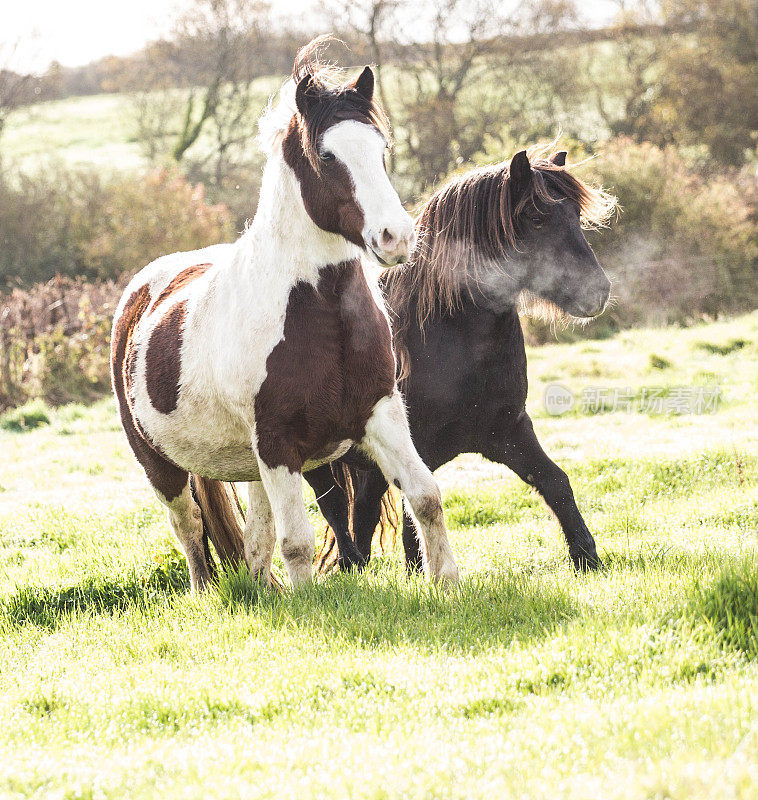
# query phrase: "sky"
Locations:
[[75, 32]]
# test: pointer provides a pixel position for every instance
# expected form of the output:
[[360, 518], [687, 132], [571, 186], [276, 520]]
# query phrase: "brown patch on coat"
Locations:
[[164, 476], [163, 361], [180, 280], [332, 367], [429, 508], [327, 195]]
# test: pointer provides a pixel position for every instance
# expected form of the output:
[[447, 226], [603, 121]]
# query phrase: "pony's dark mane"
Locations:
[[337, 101], [470, 224]]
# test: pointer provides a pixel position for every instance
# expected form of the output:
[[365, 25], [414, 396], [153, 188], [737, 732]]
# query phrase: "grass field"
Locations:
[[527, 681], [98, 131]]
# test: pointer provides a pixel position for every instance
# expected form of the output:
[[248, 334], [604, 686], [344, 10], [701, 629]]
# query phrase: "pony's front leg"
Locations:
[[388, 441], [260, 535], [515, 444], [297, 538]]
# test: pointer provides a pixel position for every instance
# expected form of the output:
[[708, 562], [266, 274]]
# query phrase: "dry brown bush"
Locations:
[[54, 341]]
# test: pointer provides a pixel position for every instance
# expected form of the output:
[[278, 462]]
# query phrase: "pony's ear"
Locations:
[[364, 84], [559, 159], [520, 173], [305, 94]]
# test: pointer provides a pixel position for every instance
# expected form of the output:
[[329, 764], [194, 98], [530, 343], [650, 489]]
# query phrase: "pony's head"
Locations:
[[509, 231], [552, 258], [333, 136]]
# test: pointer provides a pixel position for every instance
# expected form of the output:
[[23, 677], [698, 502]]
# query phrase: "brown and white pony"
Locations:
[[258, 360]]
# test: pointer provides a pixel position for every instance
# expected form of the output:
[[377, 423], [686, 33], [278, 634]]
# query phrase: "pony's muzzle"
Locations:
[[594, 305], [393, 245]]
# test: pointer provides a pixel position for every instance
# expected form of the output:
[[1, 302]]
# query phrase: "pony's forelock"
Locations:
[[336, 101]]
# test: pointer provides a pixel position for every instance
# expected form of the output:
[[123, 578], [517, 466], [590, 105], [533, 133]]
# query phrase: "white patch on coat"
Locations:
[[388, 442], [297, 539]]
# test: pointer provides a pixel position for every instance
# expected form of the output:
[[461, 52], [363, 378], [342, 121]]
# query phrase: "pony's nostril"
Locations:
[[388, 240]]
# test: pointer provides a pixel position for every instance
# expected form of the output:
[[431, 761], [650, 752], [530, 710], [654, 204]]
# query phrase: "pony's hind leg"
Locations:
[[297, 539], [333, 502], [186, 520], [388, 441], [260, 535]]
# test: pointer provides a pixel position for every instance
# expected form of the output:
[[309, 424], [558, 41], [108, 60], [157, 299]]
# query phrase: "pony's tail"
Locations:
[[389, 520], [222, 514]]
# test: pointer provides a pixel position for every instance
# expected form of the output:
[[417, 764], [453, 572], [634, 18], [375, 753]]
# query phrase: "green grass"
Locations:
[[526, 681], [30, 415], [97, 131], [94, 131]]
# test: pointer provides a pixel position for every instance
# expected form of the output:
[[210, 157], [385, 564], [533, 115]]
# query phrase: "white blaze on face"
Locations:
[[387, 227]]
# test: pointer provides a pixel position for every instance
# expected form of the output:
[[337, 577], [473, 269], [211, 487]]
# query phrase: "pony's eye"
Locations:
[[327, 156]]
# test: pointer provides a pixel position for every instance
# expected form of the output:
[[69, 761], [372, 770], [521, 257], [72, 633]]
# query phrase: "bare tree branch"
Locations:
[[13, 85]]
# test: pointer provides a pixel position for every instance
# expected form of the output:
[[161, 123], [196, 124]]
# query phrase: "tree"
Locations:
[[687, 75], [446, 55], [200, 81], [218, 41], [707, 81], [14, 85]]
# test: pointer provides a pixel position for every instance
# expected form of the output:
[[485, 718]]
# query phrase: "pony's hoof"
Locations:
[[446, 576], [586, 562], [350, 558], [350, 563]]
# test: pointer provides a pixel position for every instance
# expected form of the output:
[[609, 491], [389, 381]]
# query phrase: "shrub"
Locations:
[[686, 244], [141, 220], [77, 223], [54, 342]]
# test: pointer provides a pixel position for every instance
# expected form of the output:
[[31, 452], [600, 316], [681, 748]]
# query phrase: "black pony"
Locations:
[[486, 239]]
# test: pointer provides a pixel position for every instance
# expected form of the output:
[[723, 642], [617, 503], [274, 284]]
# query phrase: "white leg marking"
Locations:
[[297, 538], [388, 442], [260, 535], [186, 521]]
